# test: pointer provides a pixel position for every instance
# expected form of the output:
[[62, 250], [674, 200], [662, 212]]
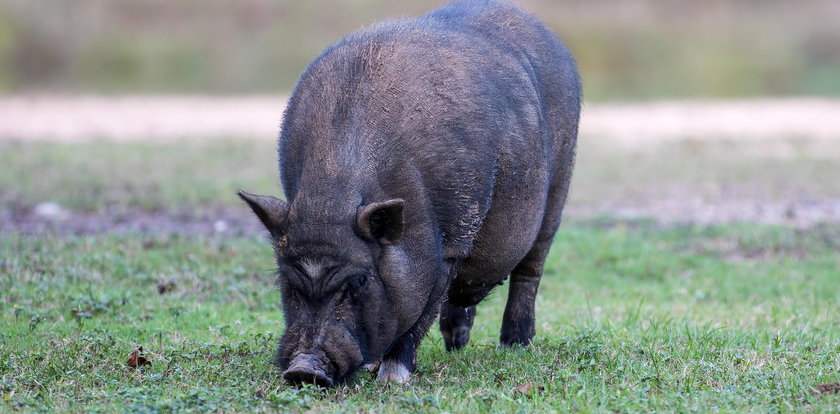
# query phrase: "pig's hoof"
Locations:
[[520, 343], [517, 334], [508, 340], [456, 338], [455, 325], [393, 371]]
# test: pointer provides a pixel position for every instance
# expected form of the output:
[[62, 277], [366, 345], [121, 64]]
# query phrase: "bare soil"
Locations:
[[791, 212], [239, 221], [214, 221]]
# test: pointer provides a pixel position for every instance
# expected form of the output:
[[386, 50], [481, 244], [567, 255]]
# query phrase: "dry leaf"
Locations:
[[529, 388], [136, 360], [259, 394], [829, 388]]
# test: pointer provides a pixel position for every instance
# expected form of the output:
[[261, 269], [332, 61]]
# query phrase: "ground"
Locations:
[[692, 273]]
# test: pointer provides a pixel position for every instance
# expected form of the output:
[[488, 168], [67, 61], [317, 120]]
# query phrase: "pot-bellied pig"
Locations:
[[423, 161]]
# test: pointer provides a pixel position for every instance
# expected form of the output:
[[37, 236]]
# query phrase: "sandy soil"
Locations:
[[78, 118], [73, 118], [698, 120]]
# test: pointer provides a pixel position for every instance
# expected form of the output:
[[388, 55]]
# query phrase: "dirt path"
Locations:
[[124, 118], [698, 120], [74, 118]]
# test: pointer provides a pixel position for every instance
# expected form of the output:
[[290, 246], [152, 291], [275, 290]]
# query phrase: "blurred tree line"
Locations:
[[626, 49]]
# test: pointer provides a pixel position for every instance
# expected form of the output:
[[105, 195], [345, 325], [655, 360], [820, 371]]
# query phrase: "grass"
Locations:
[[632, 317], [146, 176], [188, 175]]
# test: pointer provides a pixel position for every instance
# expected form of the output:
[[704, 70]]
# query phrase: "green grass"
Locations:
[[147, 176], [189, 175], [628, 49], [632, 317]]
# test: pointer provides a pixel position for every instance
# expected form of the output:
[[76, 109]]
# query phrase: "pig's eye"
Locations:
[[357, 281], [293, 276]]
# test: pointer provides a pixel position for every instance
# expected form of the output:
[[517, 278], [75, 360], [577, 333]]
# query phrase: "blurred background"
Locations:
[[627, 49], [721, 110], [694, 268]]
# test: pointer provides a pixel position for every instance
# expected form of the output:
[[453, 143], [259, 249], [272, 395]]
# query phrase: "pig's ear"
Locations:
[[270, 210], [381, 222]]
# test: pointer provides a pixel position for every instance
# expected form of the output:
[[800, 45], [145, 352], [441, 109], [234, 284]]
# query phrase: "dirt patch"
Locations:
[[792, 212], [239, 221], [213, 221], [798, 244], [830, 388]]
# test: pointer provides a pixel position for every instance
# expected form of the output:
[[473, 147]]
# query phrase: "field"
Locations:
[[697, 268], [627, 49], [689, 276]]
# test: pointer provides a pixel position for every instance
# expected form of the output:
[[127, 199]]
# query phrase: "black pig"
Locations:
[[423, 162]]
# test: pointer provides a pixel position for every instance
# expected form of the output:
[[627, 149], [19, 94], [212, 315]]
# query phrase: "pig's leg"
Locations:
[[401, 360], [398, 364], [455, 325], [518, 319]]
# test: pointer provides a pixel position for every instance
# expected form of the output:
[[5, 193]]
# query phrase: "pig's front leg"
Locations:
[[400, 361], [398, 364]]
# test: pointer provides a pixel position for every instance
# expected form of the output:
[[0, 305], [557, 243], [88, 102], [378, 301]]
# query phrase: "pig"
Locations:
[[423, 162]]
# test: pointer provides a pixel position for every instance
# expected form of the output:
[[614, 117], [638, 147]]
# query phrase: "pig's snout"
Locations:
[[307, 369]]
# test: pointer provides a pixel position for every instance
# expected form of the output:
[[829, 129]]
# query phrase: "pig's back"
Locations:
[[474, 102]]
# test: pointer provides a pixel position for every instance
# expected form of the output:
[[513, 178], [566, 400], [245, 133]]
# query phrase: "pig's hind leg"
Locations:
[[518, 320], [455, 324]]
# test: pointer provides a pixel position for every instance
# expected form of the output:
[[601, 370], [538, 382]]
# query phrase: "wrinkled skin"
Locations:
[[423, 162]]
